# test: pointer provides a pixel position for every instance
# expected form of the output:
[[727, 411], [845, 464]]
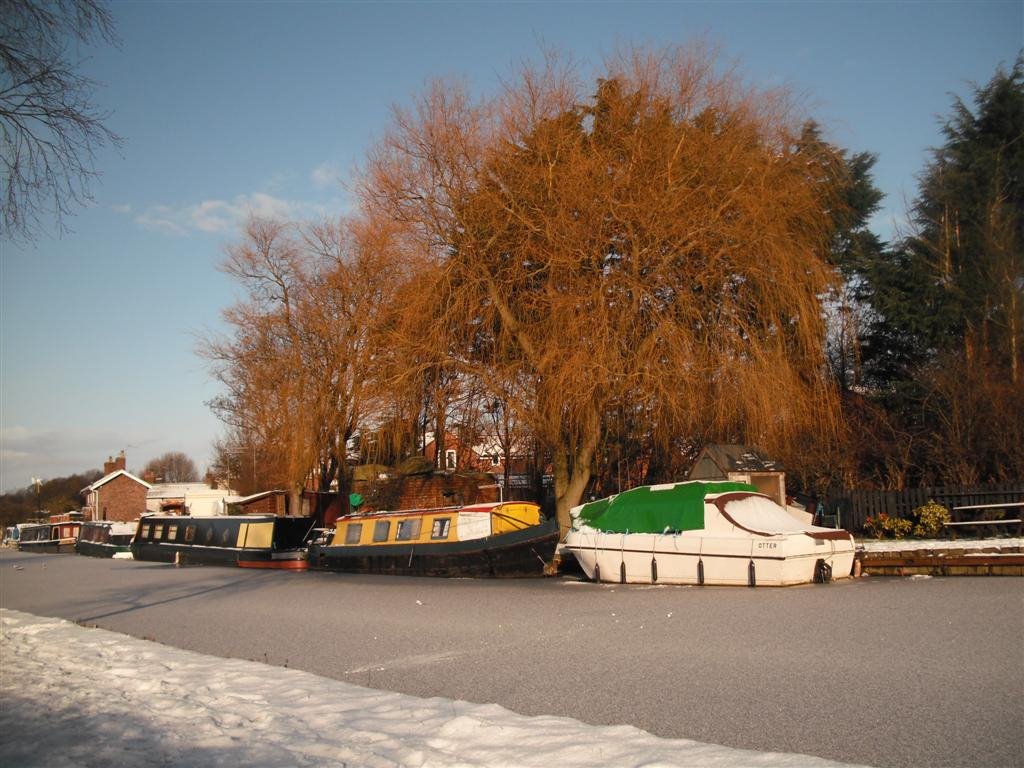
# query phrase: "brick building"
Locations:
[[118, 495]]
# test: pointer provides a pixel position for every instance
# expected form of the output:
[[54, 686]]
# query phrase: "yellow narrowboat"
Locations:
[[498, 539]]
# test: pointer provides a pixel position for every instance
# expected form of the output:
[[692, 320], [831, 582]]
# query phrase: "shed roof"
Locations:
[[726, 458]]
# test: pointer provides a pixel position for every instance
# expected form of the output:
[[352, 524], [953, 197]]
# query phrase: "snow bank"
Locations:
[[74, 696]]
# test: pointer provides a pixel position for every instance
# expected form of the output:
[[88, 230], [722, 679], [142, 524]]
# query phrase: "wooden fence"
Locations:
[[854, 507]]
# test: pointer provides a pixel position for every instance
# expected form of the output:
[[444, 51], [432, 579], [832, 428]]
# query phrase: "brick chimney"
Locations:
[[113, 464]]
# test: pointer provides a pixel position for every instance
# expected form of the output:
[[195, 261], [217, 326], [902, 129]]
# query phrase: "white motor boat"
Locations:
[[703, 533]]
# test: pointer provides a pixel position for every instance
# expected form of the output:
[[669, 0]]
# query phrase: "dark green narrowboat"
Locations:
[[105, 538], [249, 541]]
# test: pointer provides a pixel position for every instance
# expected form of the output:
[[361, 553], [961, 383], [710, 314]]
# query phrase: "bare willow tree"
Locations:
[[656, 246], [298, 361], [49, 125]]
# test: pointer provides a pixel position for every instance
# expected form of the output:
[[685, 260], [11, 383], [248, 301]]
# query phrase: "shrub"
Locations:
[[929, 519], [882, 526]]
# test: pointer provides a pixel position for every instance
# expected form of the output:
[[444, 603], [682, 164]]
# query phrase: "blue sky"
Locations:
[[230, 108]]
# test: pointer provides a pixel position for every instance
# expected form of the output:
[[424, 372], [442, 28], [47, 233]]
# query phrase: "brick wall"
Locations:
[[121, 499]]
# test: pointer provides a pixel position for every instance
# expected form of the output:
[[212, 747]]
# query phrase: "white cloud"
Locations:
[[125, 208], [325, 175], [222, 216], [161, 218]]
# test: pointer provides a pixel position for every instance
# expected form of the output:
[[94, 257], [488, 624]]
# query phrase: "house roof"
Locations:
[[107, 478], [732, 458]]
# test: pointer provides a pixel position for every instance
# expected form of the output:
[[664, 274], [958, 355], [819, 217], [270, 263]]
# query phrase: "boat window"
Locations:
[[408, 529], [353, 532], [209, 536], [172, 532], [225, 538], [440, 528], [145, 530], [381, 529], [158, 531], [190, 534]]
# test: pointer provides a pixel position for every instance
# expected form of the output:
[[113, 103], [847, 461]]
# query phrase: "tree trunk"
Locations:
[[295, 501], [1015, 330], [572, 472], [569, 487]]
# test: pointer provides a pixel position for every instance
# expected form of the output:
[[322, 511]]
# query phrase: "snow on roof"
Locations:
[[181, 490], [254, 497], [107, 478]]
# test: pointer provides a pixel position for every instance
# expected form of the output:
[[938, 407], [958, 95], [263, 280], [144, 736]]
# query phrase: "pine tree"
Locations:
[[948, 298]]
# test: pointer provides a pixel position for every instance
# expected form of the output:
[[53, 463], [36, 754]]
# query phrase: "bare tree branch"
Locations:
[[50, 128]]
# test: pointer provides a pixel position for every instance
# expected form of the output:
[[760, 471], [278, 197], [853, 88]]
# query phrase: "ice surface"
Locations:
[[77, 696]]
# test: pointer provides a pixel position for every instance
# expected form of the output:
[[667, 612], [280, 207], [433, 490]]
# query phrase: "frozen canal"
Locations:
[[875, 672]]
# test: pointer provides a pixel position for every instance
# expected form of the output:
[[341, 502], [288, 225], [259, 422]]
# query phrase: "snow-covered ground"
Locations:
[[77, 696]]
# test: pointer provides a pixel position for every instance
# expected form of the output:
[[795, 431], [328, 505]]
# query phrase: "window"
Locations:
[[381, 529], [353, 532], [158, 531], [172, 532], [146, 528], [225, 538], [208, 538], [440, 528], [190, 534], [450, 459], [408, 529], [495, 460]]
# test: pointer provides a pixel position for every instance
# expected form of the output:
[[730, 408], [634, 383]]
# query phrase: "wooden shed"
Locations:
[[741, 463]]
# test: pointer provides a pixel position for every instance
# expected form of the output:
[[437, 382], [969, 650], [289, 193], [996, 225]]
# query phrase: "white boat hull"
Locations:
[[692, 558]]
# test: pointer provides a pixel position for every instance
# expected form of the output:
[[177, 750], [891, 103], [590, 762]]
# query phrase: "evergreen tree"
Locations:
[[947, 300], [853, 247], [969, 220]]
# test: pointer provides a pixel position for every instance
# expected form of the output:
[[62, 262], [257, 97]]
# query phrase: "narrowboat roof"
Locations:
[[484, 506], [127, 526], [171, 516], [399, 513]]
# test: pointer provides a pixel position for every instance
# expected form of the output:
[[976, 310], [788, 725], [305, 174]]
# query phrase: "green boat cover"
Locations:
[[656, 509]]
